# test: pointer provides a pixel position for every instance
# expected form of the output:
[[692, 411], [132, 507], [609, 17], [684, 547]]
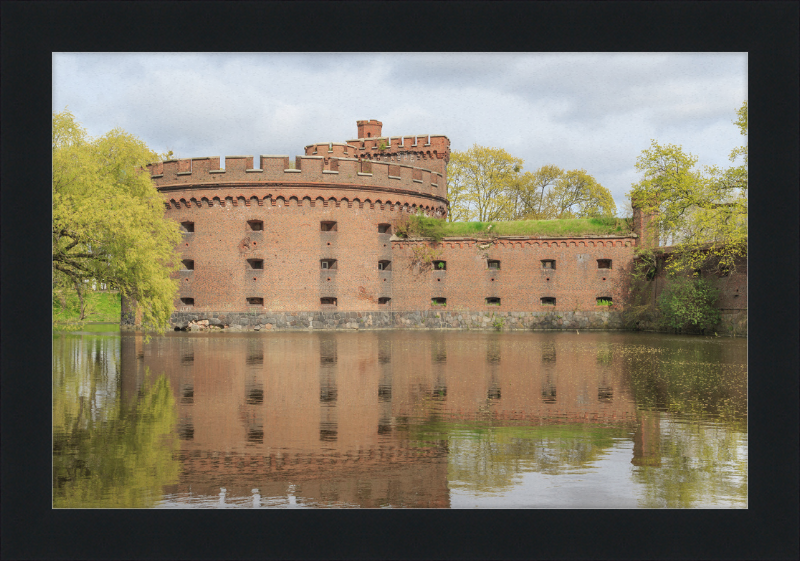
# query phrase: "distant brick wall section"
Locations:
[[521, 280]]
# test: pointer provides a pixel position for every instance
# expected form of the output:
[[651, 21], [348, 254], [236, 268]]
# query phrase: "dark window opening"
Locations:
[[494, 392], [255, 396], [440, 265], [439, 391], [327, 301], [328, 394], [384, 265], [605, 395], [255, 435], [384, 428], [549, 393], [369, 134], [256, 263], [493, 264], [548, 263], [548, 301], [327, 264], [604, 301], [186, 432], [254, 359], [328, 435], [187, 227], [384, 300], [493, 301], [384, 228], [187, 395], [255, 225], [187, 301], [254, 301], [384, 393], [188, 264], [328, 226], [604, 263], [438, 301]]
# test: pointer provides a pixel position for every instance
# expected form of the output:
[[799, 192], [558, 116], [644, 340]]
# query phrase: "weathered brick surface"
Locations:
[[359, 186], [521, 281]]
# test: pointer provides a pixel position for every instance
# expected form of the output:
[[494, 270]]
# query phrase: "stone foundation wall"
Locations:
[[427, 319]]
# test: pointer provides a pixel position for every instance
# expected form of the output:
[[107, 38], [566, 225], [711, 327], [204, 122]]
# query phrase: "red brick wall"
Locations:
[[521, 281], [291, 246]]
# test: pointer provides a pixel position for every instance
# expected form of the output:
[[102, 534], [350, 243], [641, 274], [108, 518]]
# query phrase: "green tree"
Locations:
[[478, 183], [703, 213], [553, 193], [108, 220], [531, 190], [576, 194]]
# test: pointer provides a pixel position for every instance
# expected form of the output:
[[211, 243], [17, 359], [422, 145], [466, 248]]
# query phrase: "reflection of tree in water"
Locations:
[[106, 454], [701, 465], [701, 391], [699, 382], [489, 459]]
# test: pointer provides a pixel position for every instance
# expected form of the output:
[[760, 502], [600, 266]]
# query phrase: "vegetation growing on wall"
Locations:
[[424, 227], [689, 304]]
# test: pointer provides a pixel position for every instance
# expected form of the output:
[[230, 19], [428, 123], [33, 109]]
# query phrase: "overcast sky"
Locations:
[[578, 111]]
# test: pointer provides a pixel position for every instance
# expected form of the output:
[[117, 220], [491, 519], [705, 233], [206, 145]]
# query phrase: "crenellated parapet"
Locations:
[[339, 172]]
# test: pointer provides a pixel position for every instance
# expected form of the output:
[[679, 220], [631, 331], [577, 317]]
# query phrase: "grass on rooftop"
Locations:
[[421, 226]]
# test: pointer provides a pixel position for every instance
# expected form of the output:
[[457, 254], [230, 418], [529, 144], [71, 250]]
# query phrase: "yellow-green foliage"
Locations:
[[118, 458], [702, 213], [488, 184], [108, 219]]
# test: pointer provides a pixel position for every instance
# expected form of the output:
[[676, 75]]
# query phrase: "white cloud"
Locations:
[[594, 111]]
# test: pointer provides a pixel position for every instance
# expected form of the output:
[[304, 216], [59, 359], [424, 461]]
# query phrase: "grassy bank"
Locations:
[[420, 226], [101, 306]]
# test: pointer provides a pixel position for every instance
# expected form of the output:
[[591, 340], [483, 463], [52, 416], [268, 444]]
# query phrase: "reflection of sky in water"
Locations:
[[605, 483]]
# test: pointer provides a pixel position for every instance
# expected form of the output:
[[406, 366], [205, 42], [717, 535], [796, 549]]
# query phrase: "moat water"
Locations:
[[398, 419]]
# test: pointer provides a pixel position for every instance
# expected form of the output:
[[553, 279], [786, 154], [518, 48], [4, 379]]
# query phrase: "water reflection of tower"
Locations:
[[549, 376], [254, 393], [439, 365], [328, 422], [186, 389], [493, 360], [384, 384], [647, 439]]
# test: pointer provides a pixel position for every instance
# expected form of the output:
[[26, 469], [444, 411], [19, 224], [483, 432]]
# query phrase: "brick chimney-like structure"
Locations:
[[369, 129]]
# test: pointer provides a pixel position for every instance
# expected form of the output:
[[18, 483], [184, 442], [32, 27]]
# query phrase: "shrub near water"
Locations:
[[689, 304]]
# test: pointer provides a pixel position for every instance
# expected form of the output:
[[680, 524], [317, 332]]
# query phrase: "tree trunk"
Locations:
[[82, 305]]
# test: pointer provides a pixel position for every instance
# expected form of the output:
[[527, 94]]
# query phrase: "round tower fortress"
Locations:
[[310, 243], [308, 235]]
